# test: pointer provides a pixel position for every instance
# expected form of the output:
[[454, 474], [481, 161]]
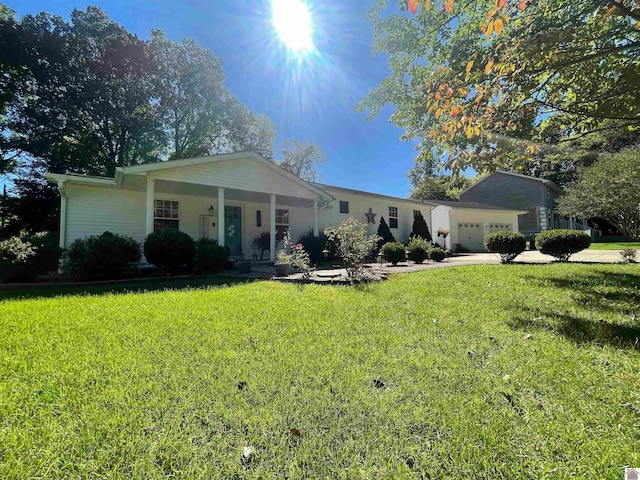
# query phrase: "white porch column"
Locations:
[[272, 228], [63, 219], [151, 191], [315, 217], [221, 216]]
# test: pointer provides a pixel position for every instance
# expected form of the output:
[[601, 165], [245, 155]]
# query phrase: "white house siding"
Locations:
[[92, 210], [359, 204], [238, 174], [440, 219], [484, 217]]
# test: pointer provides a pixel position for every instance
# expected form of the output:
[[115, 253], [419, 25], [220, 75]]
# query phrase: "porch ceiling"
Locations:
[[180, 188]]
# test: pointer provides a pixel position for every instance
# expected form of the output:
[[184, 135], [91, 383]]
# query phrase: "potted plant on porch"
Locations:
[[283, 257]]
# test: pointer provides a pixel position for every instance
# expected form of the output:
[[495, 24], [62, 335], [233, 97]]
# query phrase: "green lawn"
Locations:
[[614, 246], [483, 372]]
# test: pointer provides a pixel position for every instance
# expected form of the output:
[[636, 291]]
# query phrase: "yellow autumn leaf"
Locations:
[[488, 67], [497, 25], [489, 28], [469, 66]]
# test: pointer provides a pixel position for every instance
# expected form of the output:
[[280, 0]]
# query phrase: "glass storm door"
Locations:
[[233, 229]]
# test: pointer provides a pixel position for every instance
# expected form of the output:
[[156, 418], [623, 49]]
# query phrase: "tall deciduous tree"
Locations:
[[608, 189], [196, 107], [302, 159], [483, 82]]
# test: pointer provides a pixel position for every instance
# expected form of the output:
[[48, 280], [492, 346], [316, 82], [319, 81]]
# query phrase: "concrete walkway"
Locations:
[[529, 256]]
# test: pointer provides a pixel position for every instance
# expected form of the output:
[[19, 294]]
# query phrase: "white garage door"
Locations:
[[471, 235], [495, 227]]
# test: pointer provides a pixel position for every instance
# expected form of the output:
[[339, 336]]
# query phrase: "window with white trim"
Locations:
[[393, 217], [282, 222], [166, 215]]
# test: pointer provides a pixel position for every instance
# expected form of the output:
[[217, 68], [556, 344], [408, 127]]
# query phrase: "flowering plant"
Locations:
[[300, 260], [442, 232], [353, 244], [284, 254]]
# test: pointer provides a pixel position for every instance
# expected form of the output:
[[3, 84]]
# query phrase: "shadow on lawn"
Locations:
[[122, 287], [596, 294]]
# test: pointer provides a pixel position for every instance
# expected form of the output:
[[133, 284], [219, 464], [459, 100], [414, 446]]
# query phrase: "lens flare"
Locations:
[[292, 21]]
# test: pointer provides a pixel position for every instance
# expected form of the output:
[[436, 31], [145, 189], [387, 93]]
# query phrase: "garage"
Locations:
[[497, 227], [471, 235]]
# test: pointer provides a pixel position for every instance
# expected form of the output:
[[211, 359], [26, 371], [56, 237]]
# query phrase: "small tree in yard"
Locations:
[[384, 234], [609, 189], [353, 244], [507, 244], [420, 227]]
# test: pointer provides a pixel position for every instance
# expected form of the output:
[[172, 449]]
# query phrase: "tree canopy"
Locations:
[[87, 96], [608, 189], [487, 83], [302, 159]]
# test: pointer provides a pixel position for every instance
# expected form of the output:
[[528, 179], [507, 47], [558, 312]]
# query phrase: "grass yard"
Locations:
[[483, 372], [615, 246]]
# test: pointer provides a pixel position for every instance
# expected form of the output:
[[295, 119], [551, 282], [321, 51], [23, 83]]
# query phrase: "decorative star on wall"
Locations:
[[371, 217]]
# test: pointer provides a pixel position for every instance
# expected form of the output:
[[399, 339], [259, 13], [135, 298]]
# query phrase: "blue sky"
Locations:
[[309, 99]]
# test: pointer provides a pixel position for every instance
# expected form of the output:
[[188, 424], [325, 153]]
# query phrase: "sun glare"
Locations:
[[292, 21]]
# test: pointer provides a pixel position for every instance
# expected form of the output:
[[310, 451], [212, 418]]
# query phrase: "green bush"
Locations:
[[25, 257], [353, 245], [393, 252], [420, 228], [418, 249], [210, 257], [104, 257], [561, 244], [505, 243], [437, 254], [169, 249], [315, 245], [384, 235]]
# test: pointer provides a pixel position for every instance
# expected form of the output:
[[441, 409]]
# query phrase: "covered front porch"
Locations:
[[231, 216]]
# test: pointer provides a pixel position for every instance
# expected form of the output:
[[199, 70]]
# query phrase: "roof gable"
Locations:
[[256, 168], [549, 183]]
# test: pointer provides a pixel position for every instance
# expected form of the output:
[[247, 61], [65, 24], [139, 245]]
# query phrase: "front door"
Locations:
[[233, 229], [208, 227]]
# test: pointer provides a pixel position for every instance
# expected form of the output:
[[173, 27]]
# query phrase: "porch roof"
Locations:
[[146, 168]]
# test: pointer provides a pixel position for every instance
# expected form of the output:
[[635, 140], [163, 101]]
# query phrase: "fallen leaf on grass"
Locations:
[[247, 454], [528, 336], [295, 432]]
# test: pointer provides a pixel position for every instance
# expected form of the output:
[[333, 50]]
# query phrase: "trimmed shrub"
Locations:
[[210, 257], [314, 246], [169, 249], [418, 249], [561, 244], [25, 257], [393, 252], [507, 244], [384, 234], [103, 257], [437, 254], [420, 228]]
